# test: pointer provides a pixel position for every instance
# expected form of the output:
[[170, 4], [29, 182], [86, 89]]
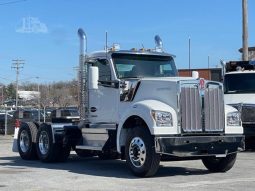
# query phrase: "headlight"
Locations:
[[162, 118], [233, 119]]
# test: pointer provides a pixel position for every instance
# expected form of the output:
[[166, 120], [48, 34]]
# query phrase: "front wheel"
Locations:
[[140, 152], [214, 164]]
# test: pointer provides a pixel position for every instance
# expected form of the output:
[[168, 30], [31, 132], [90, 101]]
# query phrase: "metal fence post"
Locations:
[[5, 123]]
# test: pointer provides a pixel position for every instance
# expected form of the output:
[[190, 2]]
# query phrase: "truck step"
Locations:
[[87, 147]]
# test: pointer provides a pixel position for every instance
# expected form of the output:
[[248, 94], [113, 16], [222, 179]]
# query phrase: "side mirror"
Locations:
[[124, 84], [93, 78]]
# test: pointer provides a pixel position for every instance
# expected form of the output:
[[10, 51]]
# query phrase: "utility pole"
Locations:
[[17, 64], [208, 65], [39, 100], [2, 102], [189, 58], [245, 31]]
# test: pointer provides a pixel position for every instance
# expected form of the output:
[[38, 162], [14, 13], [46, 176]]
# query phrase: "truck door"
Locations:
[[103, 102]]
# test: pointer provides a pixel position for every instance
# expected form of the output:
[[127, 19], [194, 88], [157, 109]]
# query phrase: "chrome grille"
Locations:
[[214, 109], [202, 111], [190, 109]]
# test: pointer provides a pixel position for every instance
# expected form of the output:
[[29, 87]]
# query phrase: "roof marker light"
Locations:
[[202, 83]]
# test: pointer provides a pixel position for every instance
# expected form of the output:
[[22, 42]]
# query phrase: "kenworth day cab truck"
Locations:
[[239, 83], [134, 106]]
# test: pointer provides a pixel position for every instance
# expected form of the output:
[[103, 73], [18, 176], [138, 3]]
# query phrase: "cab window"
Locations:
[[104, 70]]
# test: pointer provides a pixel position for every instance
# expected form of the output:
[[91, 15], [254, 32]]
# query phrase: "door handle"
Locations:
[[93, 109]]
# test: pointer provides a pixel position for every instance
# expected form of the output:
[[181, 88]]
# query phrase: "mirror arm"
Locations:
[[109, 83]]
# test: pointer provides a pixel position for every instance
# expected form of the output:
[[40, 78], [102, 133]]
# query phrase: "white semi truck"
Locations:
[[239, 83], [135, 107]]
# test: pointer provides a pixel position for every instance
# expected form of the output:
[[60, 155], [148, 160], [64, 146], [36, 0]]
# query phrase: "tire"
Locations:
[[139, 140], [26, 146], [48, 151], [214, 164]]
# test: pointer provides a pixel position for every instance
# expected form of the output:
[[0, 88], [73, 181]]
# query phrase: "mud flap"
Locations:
[[15, 140]]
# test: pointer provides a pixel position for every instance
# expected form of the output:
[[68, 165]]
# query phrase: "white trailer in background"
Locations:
[[239, 83], [134, 106]]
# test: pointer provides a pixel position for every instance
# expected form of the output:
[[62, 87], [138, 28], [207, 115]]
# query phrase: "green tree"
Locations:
[[10, 91]]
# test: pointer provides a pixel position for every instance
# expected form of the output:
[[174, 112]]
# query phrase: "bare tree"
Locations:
[[56, 94]]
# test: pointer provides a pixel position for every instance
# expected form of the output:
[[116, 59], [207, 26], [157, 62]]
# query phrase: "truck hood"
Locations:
[[171, 79], [239, 98], [165, 90]]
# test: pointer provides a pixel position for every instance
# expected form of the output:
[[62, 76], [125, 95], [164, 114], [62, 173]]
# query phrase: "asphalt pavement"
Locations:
[[113, 175]]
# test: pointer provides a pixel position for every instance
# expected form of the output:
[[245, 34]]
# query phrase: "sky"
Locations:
[[50, 47]]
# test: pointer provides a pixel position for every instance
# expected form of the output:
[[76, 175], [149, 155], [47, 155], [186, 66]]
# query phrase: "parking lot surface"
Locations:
[[95, 174]]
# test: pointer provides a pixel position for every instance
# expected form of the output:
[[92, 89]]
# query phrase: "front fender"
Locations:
[[143, 109]]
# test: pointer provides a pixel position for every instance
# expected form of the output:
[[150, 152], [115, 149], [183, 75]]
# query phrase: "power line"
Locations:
[[6, 79], [12, 2]]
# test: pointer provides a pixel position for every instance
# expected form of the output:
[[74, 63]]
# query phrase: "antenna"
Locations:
[[106, 43]]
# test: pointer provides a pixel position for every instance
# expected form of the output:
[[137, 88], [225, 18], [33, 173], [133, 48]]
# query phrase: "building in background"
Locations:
[[28, 95], [214, 74], [28, 98], [251, 52]]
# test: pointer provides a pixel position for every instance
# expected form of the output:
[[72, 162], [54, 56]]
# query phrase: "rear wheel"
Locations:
[[140, 152], [26, 147], [47, 150], [214, 164], [44, 144]]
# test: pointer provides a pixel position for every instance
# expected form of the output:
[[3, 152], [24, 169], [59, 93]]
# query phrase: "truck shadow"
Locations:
[[95, 167]]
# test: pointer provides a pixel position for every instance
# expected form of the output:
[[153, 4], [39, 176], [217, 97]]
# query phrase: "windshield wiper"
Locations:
[[232, 91], [132, 77], [240, 91]]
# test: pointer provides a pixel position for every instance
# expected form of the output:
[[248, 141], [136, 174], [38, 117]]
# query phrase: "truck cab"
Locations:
[[134, 106], [239, 83], [119, 79]]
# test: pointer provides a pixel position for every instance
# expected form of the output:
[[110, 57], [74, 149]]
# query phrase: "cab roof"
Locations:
[[103, 53]]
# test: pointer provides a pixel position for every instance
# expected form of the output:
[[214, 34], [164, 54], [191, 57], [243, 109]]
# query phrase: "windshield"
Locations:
[[239, 83], [139, 66]]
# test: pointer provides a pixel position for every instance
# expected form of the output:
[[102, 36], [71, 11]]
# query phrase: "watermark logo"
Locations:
[[32, 25]]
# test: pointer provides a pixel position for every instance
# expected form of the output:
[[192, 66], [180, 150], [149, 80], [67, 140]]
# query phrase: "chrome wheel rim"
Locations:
[[44, 143], [24, 141], [137, 152]]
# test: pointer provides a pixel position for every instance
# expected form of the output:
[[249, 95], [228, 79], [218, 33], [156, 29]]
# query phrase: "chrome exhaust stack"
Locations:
[[83, 93], [159, 44], [83, 45], [223, 66]]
